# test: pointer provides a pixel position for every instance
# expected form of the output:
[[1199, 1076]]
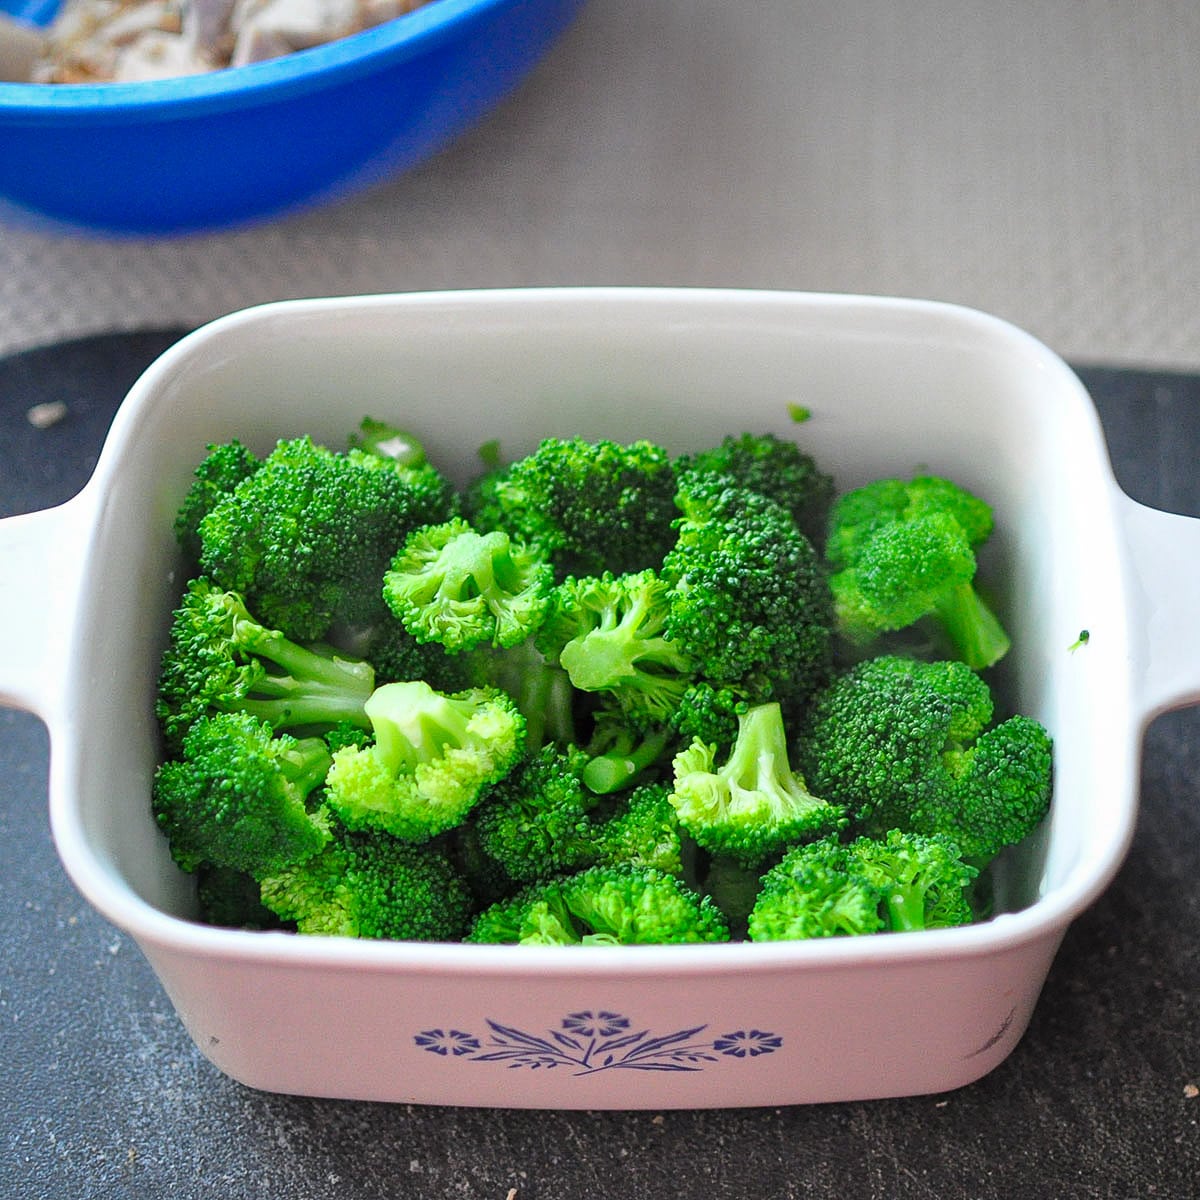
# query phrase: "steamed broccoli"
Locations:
[[603, 906], [223, 467], [752, 804], [242, 797], [750, 606], [608, 632], [432, 757], [534, 822], [592, 506], [642, 829], [307, 536], [898, 883], [775, 467], [220, 658], [904, 743], [371, 885], [452, 585], [903, 552]]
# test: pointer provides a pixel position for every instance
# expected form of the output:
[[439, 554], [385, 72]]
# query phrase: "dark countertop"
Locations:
[[105, 1096]]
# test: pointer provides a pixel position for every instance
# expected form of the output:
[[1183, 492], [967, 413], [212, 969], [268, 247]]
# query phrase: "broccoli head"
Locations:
[[431, 758], [452, 585], [221, 658], [908, 744], [750, 606], [592, 506], [307, 537], [642, 829], [603, 906], [903, 552], [534, 822], [775, 467], [242, 797], [753, 804], [899, 883], [608, 632], [223, 467], [371, 885]]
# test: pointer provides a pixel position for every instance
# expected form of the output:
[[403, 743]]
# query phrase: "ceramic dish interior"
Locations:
[[892, 386]]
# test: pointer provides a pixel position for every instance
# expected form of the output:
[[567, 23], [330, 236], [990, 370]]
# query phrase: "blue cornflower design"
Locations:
[[447, 1042], [595, 1025], [745, 1043]]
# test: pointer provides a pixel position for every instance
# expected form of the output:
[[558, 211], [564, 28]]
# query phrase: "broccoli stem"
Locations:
[[306, 763], [618, 768], [311, 687], [905, 908], [972, 627], [412, 723]]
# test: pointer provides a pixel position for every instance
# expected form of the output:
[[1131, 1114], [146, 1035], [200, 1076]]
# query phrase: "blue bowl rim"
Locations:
[[396, 40]]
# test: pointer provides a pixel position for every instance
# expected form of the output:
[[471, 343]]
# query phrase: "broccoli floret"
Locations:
[[603, 906], [432, 757], [221, 658], [907, 744], [776, 468], [307, 537], [750, 605], [452, 585], [371, 885], [901, 553], [608, 633], [239, 796], [534, 822], [621, 755], [898, 883], [223, 467], [592, 506], [815, 892], [643, 829], [753, 804], [923, 882]]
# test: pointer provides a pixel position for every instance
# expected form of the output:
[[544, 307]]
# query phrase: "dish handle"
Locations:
[[1165, 583], [39, 557]]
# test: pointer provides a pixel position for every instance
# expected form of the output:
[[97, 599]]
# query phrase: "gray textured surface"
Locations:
[[1034, 158], [105, 1097]]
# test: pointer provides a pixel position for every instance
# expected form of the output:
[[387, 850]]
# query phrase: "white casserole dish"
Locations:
[[893, 385]]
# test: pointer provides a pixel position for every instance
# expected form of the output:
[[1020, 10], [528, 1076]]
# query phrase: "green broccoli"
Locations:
[[432, 757], [901, 553], [907, 744], [452, 585], [752, 804], [307, 537], [750, 606], [603, 906], [923, 881], [641, 829], [242, 797], [899, 883], [534, 822], [775, 467], [592, 506], [223, 467], [608, 633], [232, 900], [372, 885], [220, 658], [814, 892]]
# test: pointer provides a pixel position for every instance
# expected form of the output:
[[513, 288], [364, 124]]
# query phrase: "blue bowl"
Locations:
[[249, 143]]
